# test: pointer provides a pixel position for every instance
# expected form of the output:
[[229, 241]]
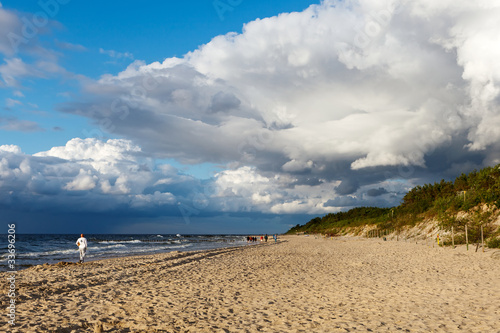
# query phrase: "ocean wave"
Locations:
[[55, 253], [47, 253], [104, 248], [180, 246], [156, 249], [36, 249], [120, 241]]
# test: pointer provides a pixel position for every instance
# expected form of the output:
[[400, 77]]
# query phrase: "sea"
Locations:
[[36, 249]]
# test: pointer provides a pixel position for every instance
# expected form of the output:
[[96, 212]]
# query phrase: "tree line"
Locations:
[[442, 201]]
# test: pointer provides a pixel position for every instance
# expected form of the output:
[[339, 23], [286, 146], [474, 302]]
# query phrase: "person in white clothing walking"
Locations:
[[82, 245]]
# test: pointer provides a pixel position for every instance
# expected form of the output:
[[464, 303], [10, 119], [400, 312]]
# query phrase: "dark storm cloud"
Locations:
[[375, 192]]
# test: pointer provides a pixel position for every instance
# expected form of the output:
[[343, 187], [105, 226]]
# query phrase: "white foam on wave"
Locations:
[[65, 251], [48, 253], [148, 249], [104, 248], [180, 246], [119, 241]]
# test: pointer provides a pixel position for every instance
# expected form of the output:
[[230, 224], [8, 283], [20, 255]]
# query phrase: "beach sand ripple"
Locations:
[[302, 284]]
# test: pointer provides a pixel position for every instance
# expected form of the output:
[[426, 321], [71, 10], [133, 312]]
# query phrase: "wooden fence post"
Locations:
[[466, 238], [452, 237], [482, 239]]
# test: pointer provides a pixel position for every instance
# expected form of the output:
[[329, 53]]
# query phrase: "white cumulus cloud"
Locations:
[[108, 175], [345, 103], [372, 83], [84, 181]]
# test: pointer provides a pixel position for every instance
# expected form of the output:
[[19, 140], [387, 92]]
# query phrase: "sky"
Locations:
[[237, 116]]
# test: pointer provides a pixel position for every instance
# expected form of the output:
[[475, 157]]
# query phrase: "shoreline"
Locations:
[[57, 248], [300, 284], [112, 257]]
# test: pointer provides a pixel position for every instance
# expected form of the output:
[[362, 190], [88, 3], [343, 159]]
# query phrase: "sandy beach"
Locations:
[[301, 284]]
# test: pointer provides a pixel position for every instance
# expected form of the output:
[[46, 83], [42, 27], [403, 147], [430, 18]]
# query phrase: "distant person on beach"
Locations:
[[265, 237], [275, 236], [82, 246]]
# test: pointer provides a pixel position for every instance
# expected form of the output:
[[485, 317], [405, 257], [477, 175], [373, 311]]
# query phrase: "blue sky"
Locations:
[[237, 116], [96, 38]]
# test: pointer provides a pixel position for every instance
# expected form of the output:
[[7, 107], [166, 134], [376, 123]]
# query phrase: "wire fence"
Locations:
[[439, 238]]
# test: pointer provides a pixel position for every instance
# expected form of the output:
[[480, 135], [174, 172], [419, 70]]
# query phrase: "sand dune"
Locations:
[[303, 284]]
